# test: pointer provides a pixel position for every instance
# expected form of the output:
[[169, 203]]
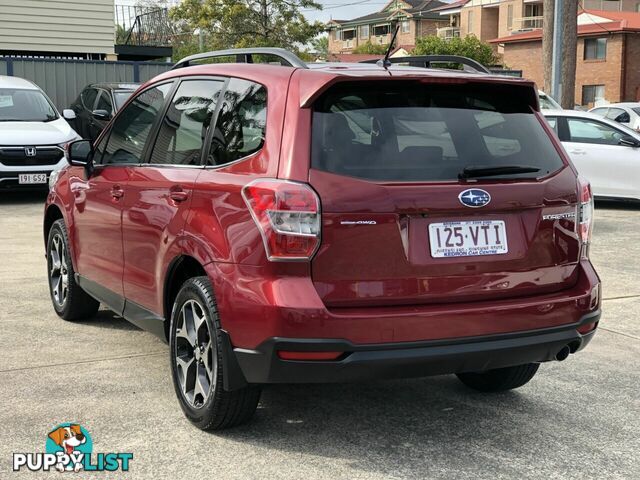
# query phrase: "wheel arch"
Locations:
[[180, 270], [52, 214]]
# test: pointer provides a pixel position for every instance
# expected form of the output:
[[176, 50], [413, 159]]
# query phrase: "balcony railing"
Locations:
[[529, 23], [381, 39], [142, 26], [448, 32]]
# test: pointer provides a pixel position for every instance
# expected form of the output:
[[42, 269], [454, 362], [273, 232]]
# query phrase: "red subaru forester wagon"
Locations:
[[327, 223]]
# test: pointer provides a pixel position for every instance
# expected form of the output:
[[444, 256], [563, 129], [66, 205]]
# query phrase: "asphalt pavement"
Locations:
[[576, 419]]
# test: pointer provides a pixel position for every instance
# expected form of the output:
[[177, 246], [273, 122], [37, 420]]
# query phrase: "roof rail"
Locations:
[[245, 55], [425, 61]]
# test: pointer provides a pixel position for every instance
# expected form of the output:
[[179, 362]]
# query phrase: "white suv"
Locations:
[[32, 134]]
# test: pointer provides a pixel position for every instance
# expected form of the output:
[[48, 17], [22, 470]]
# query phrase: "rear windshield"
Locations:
[[410, 131]]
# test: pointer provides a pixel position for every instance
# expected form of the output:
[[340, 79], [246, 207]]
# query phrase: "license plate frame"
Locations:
[[479, 238], [32, 178]]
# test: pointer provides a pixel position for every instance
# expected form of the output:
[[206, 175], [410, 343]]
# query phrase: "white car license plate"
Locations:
[[32, 178], [468, 239]]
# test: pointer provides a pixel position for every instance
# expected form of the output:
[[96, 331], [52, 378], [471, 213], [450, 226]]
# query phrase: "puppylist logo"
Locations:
[[69, 448]]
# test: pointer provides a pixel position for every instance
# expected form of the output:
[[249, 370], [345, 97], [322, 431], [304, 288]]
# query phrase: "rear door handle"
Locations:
[[117, 192], [178, 195]]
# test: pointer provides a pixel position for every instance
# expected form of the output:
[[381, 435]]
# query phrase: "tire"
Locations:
[[197, 362], [500, 379], [69, 300]]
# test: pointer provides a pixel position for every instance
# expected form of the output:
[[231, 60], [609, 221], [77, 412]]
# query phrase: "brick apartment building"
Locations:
[[490, 19], [608, 57], [608, 66], [414, 17], [486, 19]]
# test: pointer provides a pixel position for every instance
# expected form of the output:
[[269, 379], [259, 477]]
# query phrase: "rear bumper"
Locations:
[[256, 305], [400, 360]]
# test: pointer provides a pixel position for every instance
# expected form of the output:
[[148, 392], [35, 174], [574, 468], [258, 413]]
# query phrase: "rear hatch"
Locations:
[[439, 193]]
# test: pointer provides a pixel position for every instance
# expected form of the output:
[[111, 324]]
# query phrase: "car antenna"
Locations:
[[385, 63]]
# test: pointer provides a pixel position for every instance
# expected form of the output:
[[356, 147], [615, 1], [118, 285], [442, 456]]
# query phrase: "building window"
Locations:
[[470, 21], [406, 26], [595, 48], [364, 31], [349, 34], [592, 94], [381, 30], [509, 17]]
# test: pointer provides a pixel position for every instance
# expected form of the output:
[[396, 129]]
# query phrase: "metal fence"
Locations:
[[62, 80]]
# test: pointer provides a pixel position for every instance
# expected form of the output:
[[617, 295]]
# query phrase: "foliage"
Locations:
[[374, 49], [185, 45], [469, 46], [121, 35], [247, 23], [320, 46]]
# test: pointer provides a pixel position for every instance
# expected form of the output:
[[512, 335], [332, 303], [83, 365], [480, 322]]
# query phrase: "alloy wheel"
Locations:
[[58, 270], [195, 358]]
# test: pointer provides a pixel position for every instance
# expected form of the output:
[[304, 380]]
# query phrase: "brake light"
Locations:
[[585, 215], [288, 217]]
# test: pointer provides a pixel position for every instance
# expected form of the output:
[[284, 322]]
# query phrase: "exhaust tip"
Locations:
[[563, 353]]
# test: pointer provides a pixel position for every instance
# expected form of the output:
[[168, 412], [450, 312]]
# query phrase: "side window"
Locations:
[[242, 122], [88, 97], [589, 131], [599, 111], [132, 126], [553, 123], [185, 125], [99, 149], [104, 102]]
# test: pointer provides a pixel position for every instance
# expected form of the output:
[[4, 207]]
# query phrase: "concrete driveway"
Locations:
[[576, 419]]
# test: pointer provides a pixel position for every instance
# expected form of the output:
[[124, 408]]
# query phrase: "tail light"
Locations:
[[585, 215], [288, 217]]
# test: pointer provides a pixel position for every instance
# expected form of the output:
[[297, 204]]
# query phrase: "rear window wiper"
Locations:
[[491, 171]]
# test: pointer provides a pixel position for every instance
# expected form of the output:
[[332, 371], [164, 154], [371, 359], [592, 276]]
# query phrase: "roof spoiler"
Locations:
[[425, 61], [245, 55]]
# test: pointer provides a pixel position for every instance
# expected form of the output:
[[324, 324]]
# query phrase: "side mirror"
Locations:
[[80, 154], [68, 114], [629, 141], [101, 115], [623, 118]]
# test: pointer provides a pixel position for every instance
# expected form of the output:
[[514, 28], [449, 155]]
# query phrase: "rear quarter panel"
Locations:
[[219, 227]]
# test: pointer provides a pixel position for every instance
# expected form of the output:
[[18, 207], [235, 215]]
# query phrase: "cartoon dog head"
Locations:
[[68, 438]]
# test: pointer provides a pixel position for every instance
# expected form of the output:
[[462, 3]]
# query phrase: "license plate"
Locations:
[[32, 178], [468, 239]]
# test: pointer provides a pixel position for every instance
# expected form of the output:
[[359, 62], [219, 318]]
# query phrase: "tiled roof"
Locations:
[[361, 57], [451, 6], [425, 8], [352, 57], [618, 22]]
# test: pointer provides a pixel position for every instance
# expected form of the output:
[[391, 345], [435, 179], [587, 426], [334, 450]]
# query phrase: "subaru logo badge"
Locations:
[[474, 198], [30, 151]]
